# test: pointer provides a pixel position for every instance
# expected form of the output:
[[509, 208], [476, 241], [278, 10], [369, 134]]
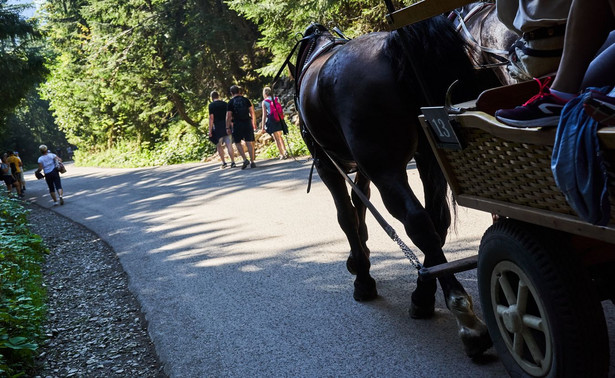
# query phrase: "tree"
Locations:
[[130, 69], [281, 22], [30, 125], [21, 59]]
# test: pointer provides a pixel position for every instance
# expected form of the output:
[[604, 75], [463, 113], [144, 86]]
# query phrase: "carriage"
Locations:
[[542, 271]]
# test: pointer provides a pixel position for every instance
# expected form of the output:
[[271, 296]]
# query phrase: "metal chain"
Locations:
[[414, 260], [383, 223]]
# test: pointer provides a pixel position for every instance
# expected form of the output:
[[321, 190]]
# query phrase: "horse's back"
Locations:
[[355, 95]]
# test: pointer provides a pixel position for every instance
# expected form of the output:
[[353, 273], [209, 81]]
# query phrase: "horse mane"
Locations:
[[439, 55]]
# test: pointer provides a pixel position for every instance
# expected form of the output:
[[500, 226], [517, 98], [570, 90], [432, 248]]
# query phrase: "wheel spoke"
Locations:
[[518, 344], [522, 296], [534, 322], [533, 347], [507, 289], [500, 309]]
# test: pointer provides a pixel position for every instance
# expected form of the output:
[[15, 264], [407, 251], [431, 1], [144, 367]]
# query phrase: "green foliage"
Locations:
[[124, 70], [294, 145], [184, 144], [21, 58], [22, 297], [280, 21], [31, 125]]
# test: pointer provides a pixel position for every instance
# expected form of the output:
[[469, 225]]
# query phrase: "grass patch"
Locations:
[[186, 146]]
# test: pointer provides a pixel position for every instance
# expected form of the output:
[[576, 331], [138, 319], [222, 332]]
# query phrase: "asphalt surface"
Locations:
[[241, 273]]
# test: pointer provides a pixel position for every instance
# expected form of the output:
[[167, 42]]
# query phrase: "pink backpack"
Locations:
[[277, 113]]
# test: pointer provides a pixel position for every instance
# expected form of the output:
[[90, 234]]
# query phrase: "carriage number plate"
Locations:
[[445, 136]]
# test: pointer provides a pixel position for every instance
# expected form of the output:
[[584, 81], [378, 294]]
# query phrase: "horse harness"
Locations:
[[480, 10], [311, 55]]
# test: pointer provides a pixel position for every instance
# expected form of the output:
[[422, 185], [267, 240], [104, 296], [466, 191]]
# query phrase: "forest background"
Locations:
[[127, 82]]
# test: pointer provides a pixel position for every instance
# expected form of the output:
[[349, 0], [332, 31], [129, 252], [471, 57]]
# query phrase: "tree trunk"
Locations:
[[181, 109]]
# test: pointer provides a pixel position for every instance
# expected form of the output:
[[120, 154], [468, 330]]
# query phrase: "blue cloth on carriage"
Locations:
[[577, 162]]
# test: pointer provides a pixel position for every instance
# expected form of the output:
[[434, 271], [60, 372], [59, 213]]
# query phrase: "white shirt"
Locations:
[[49, 162]]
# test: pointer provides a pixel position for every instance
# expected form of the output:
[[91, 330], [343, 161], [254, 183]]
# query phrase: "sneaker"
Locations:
[[245, 164], [252, 165], [224, 165], [61, 201], [544, 109], [600, 107], [233, 165]]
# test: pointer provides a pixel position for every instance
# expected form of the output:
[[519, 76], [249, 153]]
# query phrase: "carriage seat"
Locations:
[[507, 171]]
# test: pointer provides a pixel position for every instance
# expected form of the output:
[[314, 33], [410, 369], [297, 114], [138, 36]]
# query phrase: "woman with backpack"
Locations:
[[273, 116]]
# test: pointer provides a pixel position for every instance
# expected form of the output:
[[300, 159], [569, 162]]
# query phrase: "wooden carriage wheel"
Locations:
[[539, 304]]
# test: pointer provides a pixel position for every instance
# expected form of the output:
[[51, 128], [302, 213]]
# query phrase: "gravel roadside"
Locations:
[[95, 327]]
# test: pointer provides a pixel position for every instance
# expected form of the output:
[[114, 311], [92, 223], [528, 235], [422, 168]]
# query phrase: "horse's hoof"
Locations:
[[350, 266], [475, 341], [365, 292], [473, 331], [422, 306], [421, 312]]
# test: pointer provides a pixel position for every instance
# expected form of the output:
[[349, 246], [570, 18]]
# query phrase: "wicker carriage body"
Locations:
[[507, 171]]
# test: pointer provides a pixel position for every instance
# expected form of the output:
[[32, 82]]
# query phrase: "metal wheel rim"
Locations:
[[521, 318]]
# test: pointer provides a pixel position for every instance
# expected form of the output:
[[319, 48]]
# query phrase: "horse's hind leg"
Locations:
[[352, 222], [401, 202], [362, 182], [472, 330]]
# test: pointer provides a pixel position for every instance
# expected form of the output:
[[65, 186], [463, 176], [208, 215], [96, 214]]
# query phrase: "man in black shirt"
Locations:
[[240, 118], [218, 131]]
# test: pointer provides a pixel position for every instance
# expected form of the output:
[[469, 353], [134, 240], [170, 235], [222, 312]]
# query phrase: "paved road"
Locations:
[[241, 273]]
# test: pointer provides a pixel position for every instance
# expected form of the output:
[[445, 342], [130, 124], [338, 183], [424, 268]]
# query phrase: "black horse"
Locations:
[[359, 102]]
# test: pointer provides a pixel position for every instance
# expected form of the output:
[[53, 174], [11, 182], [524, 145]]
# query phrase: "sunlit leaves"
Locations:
[[128, 70]]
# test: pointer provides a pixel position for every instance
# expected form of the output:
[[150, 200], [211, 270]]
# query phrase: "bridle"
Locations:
[[500, 55]]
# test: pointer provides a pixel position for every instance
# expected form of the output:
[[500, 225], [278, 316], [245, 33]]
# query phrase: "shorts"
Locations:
[[272, 126], [219, 131], [225, 140], [242, 130], [19, 176], [8, 180]]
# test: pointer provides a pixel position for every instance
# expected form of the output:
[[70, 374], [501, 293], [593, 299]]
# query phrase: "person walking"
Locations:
[[47, 163], [218, 130], [15, 161], [273, 127], [239, 117], [7, 176]]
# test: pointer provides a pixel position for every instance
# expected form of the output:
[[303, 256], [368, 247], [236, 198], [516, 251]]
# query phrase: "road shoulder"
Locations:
[[95, 326]]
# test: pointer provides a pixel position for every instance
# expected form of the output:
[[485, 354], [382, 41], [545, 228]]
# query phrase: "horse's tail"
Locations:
[[438, 203], [433, 52]]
